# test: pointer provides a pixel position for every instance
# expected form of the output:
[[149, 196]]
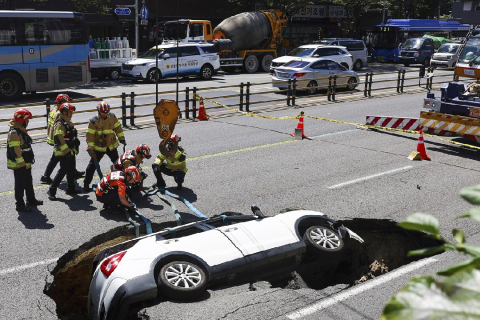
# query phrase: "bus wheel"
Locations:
[[11, 86]]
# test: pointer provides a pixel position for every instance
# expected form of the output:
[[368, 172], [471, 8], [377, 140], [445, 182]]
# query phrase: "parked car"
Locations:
[[181, 262], [416, 51], [446, 55], [195, 59], [356, 48], [335, 53], [312, 73]]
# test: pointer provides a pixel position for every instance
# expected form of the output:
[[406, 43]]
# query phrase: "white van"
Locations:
[[356, 48], [197, 59]]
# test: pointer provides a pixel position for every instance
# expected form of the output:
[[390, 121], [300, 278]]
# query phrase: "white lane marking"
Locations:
[[359, 289], [333, 133], [26, 266], [369, 177]]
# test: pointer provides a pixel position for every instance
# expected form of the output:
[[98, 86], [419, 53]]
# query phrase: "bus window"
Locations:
[[10, 34]]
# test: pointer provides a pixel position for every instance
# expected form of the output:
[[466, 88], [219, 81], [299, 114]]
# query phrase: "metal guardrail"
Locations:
[[245, 95]]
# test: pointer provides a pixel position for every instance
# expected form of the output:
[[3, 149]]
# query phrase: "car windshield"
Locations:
[[448, 48], [296, 64], [412, 44], [301, 52], [151, 53]]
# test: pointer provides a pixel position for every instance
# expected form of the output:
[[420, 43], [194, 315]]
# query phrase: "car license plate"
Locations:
[[282, 74], [469, 72]]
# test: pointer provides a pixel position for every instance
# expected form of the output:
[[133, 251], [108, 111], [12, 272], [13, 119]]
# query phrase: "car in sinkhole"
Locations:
[[181, 262]]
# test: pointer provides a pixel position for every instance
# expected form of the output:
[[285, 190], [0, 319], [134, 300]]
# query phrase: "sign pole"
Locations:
[[136, 27]]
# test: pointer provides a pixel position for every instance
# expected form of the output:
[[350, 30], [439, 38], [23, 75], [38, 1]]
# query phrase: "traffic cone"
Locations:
[[299, 133], [421, 148], [202, 114]]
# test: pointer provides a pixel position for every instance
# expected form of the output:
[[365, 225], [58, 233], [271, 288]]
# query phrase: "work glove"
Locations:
[[124, 142], [132, 209]]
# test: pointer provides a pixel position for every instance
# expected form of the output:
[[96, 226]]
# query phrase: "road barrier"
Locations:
[[245, 94]]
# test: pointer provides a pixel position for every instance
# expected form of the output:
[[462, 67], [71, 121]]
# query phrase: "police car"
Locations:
[[195, 59]]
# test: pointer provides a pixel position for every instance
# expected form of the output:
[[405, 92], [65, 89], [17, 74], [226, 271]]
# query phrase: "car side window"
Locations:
[[332, 65], [189, 51], [319, 52], [320, 65], [171, 51]]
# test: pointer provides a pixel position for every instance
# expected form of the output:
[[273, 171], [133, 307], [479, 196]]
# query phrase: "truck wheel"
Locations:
[[152, 75], [11, 86], [114, 74], [266, 62], [206, 72], [426, 62], [251, 64]]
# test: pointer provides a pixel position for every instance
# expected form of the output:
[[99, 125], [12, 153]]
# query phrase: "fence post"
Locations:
[[241, 96], [398, 80], [47, 106], [132, 108], [289, 91], [370, 85], [194, 103], [329, 90], [430, 79], [334, 86], [403, 80], [294, 91], [187, 103], [247, 98], [124, 109], [365, 92]]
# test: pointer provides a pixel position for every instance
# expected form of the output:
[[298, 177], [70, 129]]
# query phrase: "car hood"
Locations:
[[284, 59], [443, 54], [139, 61]]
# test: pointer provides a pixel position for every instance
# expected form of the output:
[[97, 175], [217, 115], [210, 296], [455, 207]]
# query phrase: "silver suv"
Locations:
[[356, 48]]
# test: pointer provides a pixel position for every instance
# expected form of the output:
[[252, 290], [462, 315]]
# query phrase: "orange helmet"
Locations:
[[144, 151], [103, 107], [67, 107], [134, 174], [62, 98], [21, 115]]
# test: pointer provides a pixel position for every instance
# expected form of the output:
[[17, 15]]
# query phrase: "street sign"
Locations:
[[144, 22], [144, 13], [122, 11]]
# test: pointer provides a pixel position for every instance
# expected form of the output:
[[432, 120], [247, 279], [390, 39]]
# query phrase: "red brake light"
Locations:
[[111, 263], [299, 74]]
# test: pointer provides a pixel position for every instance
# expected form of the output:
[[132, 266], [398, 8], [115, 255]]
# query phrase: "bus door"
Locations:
[[41, 73]]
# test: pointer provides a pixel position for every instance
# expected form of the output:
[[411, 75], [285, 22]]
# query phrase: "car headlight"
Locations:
[[416, 54], [449, 57]]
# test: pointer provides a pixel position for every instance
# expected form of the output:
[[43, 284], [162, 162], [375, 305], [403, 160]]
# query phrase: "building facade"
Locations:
[[466, 11]]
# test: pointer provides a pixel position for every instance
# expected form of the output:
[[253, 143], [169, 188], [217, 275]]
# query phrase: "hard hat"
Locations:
[[67, 107], [103, 107], [175, 138], [61, 98], [21, 115], [144, 151], [134, 174]]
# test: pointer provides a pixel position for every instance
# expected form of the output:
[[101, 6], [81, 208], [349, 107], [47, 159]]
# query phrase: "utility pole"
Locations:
[[383, 18], [136, 27]]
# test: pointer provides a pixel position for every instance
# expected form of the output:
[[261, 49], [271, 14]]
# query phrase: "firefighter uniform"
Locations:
[[112, 189], [102, 136], [65, 149], [172, 165], [20, 158]]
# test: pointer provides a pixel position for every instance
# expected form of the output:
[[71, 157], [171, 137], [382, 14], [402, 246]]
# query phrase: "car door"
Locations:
[[189, 61], [336, 69], [168, 66], [321, 73], [259, 235]]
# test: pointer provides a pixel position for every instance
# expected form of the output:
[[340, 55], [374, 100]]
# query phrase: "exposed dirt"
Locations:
[[385, 249]]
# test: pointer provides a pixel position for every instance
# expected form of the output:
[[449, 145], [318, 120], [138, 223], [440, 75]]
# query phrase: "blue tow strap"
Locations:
[[175, 196], [148, 224]]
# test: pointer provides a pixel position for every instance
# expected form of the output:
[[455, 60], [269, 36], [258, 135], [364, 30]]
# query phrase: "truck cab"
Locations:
[[416, 51], [188, 30]]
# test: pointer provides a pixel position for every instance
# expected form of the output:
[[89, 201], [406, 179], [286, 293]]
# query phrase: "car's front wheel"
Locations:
[[182, 280], [152, 75], [323, 239], [351, 83], [358, 65], [311, 87]]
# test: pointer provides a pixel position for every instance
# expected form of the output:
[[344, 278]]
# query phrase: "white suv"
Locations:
[[196, 59], [336, 53]]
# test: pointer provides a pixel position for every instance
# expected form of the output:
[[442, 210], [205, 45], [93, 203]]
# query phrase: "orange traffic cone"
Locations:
[[421, 148], [299, 128], [202, 114]]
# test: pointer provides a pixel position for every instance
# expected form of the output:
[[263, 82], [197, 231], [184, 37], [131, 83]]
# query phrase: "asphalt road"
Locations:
[[235, 161]]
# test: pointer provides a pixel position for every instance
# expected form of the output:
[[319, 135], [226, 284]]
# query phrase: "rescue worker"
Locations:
[[170, 161], [61, 98], [66, 146], [102, 133], [112, 189], [133, 158], [20, 158]]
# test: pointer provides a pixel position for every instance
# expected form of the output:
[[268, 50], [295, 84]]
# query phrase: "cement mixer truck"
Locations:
[[248, 40]]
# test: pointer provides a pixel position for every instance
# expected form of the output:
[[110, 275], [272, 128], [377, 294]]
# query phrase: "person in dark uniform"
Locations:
[[20, 158]]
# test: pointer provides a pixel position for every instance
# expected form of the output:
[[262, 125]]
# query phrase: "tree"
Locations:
[[97, 6], [290, 7], [457, 296]]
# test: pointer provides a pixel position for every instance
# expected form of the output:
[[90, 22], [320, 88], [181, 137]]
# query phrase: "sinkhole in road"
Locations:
[[385, 249]]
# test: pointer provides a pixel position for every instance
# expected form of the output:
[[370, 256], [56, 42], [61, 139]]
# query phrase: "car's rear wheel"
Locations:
[[311, 87], [358, 65], [323, 240], [206, 72], [182, 280], [351, 83]]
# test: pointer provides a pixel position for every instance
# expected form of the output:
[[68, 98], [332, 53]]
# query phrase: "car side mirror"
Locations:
[[166, 56], [344, 68]]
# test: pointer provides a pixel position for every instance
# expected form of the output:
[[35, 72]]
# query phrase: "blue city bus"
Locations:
[[42, 50], [385, 39]]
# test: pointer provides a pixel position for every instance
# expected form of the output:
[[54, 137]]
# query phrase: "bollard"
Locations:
[[194, 103], [132, 108], [289, 91], [241, 96], [402, 80], [365, 91], [294, 91], [124, 109], [455, 76], [247, 98], [398, 80], [334, 86], [329, 90], [47, 106], [430, 79], [370, 85], [187, 103]]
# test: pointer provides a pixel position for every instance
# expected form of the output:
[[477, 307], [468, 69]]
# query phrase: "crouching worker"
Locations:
[[112, 189], [170, 161], [134, 158]]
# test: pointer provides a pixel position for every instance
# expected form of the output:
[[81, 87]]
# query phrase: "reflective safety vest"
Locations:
[[102, 133], [176, 162], [19, 147], [111, 181], [51, 124], [64, 135]]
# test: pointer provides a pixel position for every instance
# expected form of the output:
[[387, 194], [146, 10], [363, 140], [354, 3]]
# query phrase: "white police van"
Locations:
[[197, 59]]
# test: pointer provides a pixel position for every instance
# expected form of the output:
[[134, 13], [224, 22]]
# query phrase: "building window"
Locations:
[[467, 6]]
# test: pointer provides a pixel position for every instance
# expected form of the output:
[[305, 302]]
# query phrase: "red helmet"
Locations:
[[21, 115], [103, 107], [67, 107], [144, 151], [175, 138], [62, 98], [134, 174]]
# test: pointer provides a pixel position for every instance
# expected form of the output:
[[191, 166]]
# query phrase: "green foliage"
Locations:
[[457, 296], [290, 7]]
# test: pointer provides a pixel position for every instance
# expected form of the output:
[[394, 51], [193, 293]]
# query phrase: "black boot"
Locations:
[[52, 194], [46, 180], [179, 186], [79, 174], [22, 207], [34, 203], [72, 191]]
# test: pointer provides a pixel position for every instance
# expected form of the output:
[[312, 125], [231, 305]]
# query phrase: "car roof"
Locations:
[[171, 45], [310, 60], [321, 46]]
